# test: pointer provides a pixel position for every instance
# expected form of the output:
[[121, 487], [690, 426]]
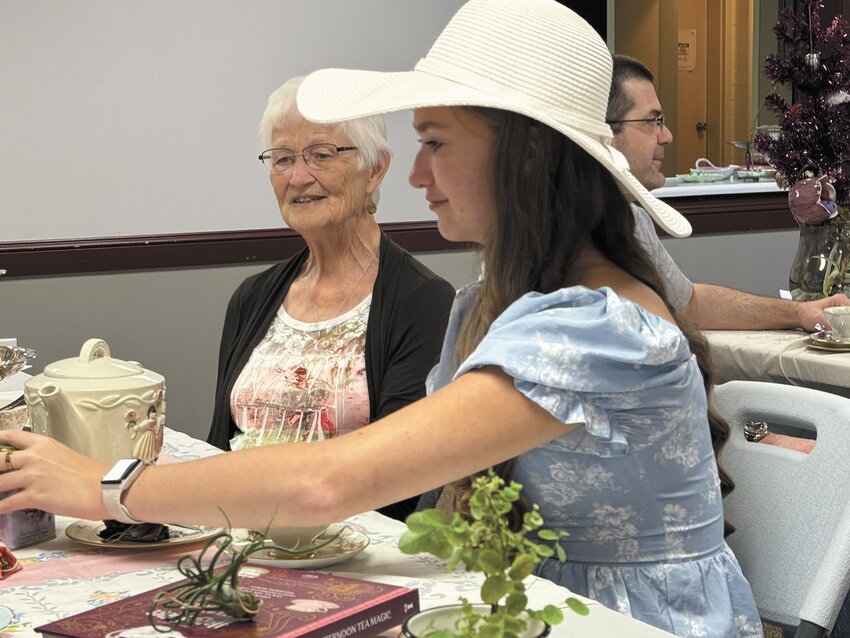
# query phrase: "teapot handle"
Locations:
[[93, 349], [702, 160]]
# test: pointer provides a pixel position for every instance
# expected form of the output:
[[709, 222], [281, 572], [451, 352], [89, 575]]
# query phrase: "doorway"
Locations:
[[693, 130], [701, 53]]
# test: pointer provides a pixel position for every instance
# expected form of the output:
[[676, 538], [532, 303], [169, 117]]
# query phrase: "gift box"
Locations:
[[25, 527]]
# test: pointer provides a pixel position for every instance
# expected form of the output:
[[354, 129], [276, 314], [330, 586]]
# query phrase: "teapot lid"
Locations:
[[94, 362]]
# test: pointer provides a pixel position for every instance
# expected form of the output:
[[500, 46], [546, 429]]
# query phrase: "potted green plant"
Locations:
[[486, 543]]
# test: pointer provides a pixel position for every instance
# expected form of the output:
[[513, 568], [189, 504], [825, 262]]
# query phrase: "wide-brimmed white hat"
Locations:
[[534, 57]]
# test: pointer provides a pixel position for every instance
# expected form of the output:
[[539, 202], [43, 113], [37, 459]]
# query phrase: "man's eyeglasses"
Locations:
[[658, 119], [316, 156]]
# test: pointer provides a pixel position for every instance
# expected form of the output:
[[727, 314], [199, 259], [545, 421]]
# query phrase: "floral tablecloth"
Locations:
[[63, 577]]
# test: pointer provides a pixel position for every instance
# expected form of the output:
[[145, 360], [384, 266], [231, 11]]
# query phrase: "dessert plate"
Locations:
[[348, 544], [85, 532]]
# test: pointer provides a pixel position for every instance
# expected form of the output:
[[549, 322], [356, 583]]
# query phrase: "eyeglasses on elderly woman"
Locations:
[[316, 156]]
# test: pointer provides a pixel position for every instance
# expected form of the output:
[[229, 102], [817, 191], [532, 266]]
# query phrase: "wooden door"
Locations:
[[693, 130]]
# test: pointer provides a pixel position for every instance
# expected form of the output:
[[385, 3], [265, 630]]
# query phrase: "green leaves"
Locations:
[[515, 604], [522, 566], [486, 544], [431, 532], [548, 535], [490, 561], [494, 589], [577, 606]]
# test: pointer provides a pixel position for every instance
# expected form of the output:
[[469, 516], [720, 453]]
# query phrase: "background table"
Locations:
[[62, 577], [779, 356]]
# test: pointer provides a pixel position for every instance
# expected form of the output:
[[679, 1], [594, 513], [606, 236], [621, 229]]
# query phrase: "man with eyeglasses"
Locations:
[[637, 121]]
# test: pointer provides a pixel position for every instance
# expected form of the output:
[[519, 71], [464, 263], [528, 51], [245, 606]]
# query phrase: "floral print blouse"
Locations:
[[304, 381], [636, 488]]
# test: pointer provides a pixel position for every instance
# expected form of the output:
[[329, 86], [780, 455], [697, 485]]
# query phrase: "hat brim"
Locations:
[[333, 95]]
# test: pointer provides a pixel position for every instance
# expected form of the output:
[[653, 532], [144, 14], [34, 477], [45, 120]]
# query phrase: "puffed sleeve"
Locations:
[[591, 357]]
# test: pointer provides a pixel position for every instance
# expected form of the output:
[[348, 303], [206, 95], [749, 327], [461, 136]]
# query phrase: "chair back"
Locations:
[[790, 509]]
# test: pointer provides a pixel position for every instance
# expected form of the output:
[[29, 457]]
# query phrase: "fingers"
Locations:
[[839, 299], [18, 438], [14, 489]]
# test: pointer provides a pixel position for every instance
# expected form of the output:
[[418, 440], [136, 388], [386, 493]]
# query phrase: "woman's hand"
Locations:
[[50, 477]]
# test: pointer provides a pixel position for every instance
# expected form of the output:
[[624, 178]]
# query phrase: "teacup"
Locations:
[[295, 537], [839, 321], [14, 419]]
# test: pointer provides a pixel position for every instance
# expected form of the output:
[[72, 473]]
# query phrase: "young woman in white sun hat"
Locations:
[[566, 357]]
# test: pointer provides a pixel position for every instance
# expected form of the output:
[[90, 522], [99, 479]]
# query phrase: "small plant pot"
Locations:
[[422, 623]]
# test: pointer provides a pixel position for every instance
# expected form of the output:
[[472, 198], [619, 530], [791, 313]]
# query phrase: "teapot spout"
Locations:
[[63, 423]]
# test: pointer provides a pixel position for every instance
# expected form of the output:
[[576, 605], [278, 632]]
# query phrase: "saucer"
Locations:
[[85, 532], [348, 544], [825, 341]]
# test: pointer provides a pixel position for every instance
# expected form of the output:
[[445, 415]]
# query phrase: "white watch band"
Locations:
[[115, 483], [116, 509]]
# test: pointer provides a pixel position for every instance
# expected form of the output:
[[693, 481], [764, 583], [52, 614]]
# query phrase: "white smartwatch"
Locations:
[[113, 485]]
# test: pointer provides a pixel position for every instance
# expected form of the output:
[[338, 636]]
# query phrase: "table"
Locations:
[[779, 356], [62, 577]]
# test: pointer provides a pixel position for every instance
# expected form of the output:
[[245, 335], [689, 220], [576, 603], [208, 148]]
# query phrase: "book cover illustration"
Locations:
[[296, 603]]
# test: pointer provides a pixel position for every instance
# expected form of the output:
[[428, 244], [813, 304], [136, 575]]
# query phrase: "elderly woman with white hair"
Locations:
[[345, 331]]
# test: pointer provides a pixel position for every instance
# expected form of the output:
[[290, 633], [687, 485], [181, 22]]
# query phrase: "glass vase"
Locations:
[[820, 267]]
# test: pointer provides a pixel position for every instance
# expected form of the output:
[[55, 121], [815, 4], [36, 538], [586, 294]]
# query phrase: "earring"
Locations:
[[371, 207]]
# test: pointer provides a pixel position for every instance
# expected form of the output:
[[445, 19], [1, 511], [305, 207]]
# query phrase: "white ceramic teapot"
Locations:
[[102, 407]]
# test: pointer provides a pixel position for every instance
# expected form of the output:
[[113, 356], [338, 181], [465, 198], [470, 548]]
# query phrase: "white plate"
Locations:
[[348, 544], [702, 178], [85, 532], [704, 167]]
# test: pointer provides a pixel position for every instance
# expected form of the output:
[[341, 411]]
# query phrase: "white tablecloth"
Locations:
[[63, 577], [779, 356]]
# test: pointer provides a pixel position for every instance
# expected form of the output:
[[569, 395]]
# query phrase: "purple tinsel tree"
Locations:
[[815, 131]]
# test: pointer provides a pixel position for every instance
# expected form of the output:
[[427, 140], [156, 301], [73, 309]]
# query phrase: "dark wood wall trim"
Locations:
[[712, 214], [735, 213], [143, 252]]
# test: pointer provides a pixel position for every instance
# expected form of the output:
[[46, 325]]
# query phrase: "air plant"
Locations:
[[214, 588]]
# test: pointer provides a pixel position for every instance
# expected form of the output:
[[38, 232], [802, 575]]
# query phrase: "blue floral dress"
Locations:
[[636, 488]]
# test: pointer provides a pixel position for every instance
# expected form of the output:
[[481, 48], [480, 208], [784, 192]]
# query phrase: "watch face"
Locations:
[[121, 471]]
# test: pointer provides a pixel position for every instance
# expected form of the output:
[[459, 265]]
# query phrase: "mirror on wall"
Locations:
[[706, 56]]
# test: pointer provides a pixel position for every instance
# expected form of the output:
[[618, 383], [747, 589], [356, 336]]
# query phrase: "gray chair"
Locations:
[[790, 509]]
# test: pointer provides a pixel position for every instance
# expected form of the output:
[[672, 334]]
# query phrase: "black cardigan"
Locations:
[[404, 333]]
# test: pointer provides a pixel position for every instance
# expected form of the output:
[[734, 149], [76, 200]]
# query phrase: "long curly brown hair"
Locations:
[[552, 198]]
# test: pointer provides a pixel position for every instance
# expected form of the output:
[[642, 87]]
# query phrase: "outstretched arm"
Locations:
[[473, 423], [719, 308]]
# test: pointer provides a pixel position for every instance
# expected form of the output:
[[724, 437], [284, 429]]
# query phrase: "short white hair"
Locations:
[[368, 134]]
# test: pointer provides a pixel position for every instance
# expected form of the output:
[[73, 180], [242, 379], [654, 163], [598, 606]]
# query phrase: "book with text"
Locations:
[[296, 604]]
